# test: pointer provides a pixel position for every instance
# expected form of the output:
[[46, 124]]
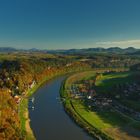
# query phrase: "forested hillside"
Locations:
[[17, 77], [20, 72]]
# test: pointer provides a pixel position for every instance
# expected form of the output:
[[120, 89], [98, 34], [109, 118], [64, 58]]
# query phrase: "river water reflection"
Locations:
[[49, 120]]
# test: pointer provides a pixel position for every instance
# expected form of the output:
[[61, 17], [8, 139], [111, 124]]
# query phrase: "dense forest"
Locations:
[[17, 77], [19, 72]]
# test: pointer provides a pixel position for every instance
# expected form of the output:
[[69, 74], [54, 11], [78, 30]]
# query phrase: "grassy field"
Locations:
[[105, 84], [111, 79], [110, 123], [108, 80]]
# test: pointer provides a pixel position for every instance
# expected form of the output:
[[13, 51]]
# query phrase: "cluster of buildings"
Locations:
[[75, 92], [129, 89], [102, 102], [82, 89], [68, 64], [86, 91], [18, 97]]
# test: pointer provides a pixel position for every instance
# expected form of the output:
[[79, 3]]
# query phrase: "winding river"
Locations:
[[48, 119]]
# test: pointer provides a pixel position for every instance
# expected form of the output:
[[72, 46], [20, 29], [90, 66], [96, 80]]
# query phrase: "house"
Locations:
[[49, 68], [17, 99], [91, 94], [69, 64], [8, 78], [78, 96], [23, 93], [32, 84], [89, 97], [10, 91]]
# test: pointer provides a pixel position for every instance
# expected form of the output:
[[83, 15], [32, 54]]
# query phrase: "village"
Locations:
[[18, 96], [128, 90], [85, 90]]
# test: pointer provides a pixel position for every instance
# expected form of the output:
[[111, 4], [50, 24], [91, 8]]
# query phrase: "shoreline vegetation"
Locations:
[[75, 116], [24, 112], [77, 110]]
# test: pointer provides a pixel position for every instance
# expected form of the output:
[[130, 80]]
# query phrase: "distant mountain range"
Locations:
[[11, 49], [7, 49], [115, 50]]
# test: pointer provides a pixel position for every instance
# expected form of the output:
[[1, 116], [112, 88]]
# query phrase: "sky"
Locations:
[[65, 24]]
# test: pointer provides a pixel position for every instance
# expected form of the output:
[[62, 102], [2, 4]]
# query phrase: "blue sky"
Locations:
[[59, 24]]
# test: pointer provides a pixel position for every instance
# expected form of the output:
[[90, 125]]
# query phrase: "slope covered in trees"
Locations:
[[17, 77], [20, 72]]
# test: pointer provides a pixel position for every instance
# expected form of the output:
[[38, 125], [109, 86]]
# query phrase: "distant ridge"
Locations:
[[115, 50], [7, 49]]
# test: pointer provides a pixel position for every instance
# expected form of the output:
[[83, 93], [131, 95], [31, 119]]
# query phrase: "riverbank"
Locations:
[[24, 112], [69, 106], [23, 107], [103, 124]]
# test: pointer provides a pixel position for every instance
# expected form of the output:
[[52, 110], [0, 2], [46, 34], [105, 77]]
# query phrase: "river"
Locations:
[[48, 119]]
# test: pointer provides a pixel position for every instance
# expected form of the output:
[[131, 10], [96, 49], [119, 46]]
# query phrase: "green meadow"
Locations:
[[109, 123]]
